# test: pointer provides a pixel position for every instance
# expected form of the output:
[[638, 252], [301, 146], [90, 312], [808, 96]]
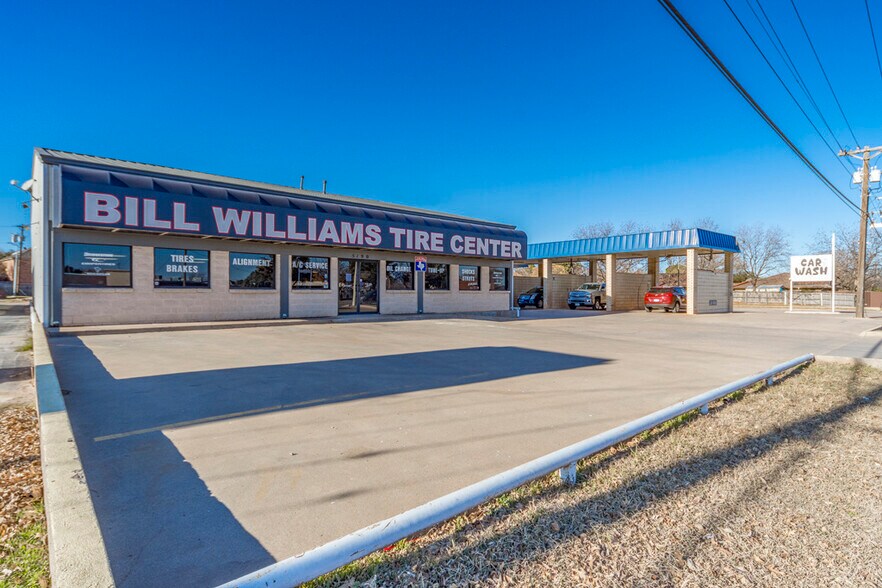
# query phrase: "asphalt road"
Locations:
[[212, 453], [15, 366]]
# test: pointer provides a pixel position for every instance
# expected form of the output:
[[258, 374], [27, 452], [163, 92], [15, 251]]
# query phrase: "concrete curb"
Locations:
[[247, 324], [867, 361], [77, 556]]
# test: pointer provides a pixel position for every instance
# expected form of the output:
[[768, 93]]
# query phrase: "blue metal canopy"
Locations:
[[636, 243]]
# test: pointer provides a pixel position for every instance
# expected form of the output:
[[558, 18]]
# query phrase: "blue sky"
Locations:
[[544, 116]]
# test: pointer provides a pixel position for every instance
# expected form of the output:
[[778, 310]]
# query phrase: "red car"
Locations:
[[671, 299]]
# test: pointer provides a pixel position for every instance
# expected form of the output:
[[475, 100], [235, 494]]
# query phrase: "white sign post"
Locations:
[[833, 276], [814, 268]]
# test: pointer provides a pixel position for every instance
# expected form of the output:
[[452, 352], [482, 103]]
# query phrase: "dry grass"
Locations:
[[781, 488]]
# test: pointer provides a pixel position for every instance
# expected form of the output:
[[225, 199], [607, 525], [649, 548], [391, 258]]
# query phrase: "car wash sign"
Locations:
[[132, 209], [811, 268]]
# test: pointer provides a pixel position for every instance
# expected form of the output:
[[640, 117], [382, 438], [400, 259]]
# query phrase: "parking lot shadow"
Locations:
[[160, 522]]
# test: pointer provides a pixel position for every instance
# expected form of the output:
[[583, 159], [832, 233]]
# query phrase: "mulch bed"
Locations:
[[21, 494]]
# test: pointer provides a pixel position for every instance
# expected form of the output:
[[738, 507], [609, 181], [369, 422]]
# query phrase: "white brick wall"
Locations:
[[712, 286], [630, 289], [314, 303], [454, 300], [562, 285], [395, 301], [39, 239], [142, 303], [145, 304], [524, 283]]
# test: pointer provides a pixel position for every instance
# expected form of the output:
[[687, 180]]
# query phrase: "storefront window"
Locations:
[[469, 277], [438, 276], [310, 273], [97, 266], [252, 270], [180, 268], [399, 275], [499, 278]]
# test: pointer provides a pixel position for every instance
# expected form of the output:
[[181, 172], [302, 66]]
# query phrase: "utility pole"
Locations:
[[19, 238], [863, 155]]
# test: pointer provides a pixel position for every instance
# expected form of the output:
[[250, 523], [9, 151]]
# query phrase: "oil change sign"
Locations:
[[811, 268]]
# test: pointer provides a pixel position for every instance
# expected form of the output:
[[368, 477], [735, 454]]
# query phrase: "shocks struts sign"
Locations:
[[113, 207]]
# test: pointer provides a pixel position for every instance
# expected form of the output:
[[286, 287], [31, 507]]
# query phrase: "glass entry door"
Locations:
[[357, 286]]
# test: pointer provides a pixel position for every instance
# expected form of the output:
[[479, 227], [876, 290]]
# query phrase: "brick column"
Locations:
[[652, 264], [729, 268], [546, 273], [691, 280], [610, 281]]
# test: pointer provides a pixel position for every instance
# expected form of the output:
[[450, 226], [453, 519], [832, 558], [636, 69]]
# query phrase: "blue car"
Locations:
[[532, 297]]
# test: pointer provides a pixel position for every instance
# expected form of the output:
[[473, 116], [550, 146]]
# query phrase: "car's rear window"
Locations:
[[661, 290]]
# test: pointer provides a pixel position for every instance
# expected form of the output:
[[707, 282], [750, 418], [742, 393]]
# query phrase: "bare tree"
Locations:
[[847, 244], [594, 230], [606, 229], [706, 222], [764, 250]]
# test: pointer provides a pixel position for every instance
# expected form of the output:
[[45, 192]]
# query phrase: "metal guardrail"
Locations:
[[330, 556]]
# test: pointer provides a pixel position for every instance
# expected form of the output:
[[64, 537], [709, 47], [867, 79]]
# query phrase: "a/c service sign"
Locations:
[[811, 268]]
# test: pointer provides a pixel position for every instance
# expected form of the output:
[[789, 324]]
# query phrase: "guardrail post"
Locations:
[[704, 409], [568, 474]]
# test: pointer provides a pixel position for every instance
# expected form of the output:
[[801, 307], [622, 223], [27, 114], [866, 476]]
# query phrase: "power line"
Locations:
[[699, 42], [791, 65], [823, 71], [873, 34], [787, 89]]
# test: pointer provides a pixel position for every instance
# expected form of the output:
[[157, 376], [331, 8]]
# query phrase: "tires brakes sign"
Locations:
[[811, 268]]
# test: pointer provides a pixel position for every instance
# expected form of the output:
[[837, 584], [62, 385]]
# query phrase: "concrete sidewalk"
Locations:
[[240, 447], [16, 386]]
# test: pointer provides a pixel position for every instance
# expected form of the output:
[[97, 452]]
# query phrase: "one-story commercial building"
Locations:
[[118, 242]]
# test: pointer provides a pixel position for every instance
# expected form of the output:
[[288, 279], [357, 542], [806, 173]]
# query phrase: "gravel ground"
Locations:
[[780, 487], [23, 556]]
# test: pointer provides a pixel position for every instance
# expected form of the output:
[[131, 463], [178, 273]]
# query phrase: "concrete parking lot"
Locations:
[[211, 453]]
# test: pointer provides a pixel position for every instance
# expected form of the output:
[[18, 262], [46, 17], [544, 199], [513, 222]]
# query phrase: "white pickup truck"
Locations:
[[591, 294]]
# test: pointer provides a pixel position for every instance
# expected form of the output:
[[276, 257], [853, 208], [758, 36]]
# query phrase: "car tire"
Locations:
[[667, 309], [572, 306], [521, 306], [596, 304], [539, 304], [648, 309], [676, 307]]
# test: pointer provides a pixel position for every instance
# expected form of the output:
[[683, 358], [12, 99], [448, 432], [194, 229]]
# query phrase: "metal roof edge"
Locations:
[[48, 155], [694, 238]]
